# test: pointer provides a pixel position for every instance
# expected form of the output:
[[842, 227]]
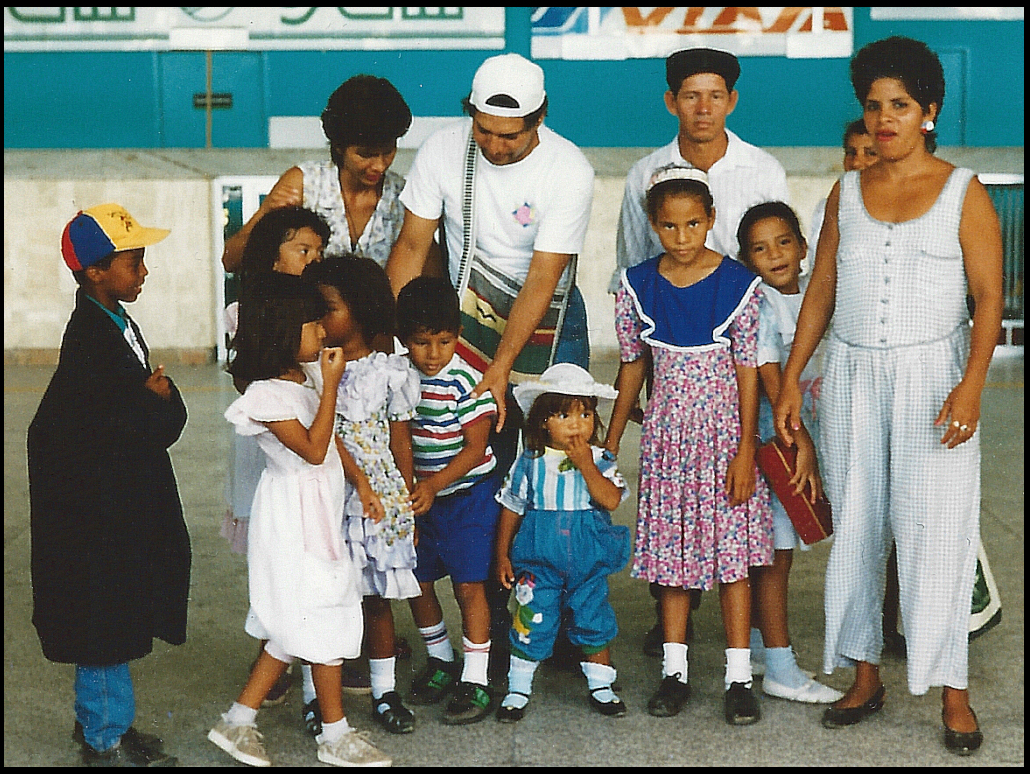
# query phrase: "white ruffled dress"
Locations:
[[304, 586], [376, 390]]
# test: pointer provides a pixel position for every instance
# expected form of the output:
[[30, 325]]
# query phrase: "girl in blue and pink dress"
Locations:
[[703, 513]]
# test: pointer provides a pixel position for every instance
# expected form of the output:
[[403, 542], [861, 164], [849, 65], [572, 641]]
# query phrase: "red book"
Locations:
[[813, 521]]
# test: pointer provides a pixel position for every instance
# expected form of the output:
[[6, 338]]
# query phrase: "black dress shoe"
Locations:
[[963, 742], [610, 709], [740, 705], [508, 714], [135, 749], [390, 713], [670, 697], [849, 716]]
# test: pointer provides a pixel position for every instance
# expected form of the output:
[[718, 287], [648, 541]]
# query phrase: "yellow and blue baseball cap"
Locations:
[[94, 234]]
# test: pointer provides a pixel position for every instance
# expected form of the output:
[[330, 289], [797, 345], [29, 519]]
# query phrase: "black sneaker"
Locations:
[[470, 704], [740, 705], [670, 697], [436, 680], [389, 712]]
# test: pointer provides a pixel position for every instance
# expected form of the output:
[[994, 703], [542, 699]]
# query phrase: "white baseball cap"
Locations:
[[509, 86]]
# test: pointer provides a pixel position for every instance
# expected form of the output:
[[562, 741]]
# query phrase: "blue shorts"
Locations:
[[456, 535]]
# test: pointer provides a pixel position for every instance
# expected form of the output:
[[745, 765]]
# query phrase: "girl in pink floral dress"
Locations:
[[703, 512]]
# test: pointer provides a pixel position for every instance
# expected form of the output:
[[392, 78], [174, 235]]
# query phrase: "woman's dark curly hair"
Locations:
[[364, 288], [364, 110], [906, 60]]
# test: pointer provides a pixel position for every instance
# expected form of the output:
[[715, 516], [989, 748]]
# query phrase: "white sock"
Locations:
[[600, 678], [382, 674], [477, 658], [307, 683], [520, 682], [240, 715], [738, 666], [438, 643], [674, 660], [333, 731]]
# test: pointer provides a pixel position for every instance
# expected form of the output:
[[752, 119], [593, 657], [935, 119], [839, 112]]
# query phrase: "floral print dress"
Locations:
[[376, 390], [688, 534]]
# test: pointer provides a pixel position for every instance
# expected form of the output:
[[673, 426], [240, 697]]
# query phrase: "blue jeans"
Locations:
[[105, 704], [574, 340]]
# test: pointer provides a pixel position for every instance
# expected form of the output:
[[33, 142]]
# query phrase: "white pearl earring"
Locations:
[[927, 127]]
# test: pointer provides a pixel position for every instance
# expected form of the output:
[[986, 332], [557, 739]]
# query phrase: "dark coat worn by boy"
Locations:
[[110, 550]]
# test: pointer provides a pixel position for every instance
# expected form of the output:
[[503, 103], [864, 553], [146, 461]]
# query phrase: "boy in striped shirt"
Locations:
[[453, 499]]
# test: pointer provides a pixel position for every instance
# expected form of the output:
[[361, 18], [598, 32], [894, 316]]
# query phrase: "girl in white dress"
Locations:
[[304, 588]]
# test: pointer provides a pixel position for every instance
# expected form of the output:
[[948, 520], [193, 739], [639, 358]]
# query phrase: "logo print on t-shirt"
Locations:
[[525, 215]]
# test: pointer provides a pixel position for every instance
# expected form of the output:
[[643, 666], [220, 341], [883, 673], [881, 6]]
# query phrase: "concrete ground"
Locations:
[[181, 690]]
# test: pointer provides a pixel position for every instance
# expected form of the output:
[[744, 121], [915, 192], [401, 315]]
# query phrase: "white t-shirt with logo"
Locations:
[[541, 202]]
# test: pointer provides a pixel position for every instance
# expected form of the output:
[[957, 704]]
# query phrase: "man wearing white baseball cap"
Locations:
[[513, 200], [533, 191]]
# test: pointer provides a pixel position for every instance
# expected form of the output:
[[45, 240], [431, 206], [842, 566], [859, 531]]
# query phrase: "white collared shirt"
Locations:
[[746, 175]]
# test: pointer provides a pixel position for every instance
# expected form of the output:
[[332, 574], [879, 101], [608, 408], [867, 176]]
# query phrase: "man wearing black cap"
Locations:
[[701, 95]]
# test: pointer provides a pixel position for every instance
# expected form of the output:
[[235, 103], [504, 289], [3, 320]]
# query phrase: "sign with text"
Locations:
[[655, 32], [67, 28]]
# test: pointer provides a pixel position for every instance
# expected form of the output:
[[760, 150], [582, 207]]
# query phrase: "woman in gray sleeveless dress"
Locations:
[[904, 242]]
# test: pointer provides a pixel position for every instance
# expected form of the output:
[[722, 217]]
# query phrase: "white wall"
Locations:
[[172, 189]]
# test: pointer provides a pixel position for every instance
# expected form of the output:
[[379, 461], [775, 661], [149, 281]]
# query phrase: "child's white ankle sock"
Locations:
[[438, 644], [520, 682], [738, 666], [674, 660], [333, 731], [781, 666], [307, 683], [477, 658], [382, 675], [240, 715], [600, 678]]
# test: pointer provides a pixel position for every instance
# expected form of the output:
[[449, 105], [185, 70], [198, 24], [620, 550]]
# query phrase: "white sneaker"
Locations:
[[812, 692], [241, 742], [352, 749]]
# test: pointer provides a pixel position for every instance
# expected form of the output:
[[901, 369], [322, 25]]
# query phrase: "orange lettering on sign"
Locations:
[[833, 19], [737, 19], [634, 18]]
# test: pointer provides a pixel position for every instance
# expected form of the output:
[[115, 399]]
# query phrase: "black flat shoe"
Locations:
[[670, 697], [312, 717], [849, 716], [740, 705], [390, 713], [511, 714], [610, 709], [963, 742]]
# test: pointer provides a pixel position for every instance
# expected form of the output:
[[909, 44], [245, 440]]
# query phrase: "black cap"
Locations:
[[682, 64]]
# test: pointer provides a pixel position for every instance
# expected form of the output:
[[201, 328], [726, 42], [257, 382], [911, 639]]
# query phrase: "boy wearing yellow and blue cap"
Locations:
[[110, 550]]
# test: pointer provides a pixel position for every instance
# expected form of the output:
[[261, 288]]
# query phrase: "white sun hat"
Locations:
[[564, 379]]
